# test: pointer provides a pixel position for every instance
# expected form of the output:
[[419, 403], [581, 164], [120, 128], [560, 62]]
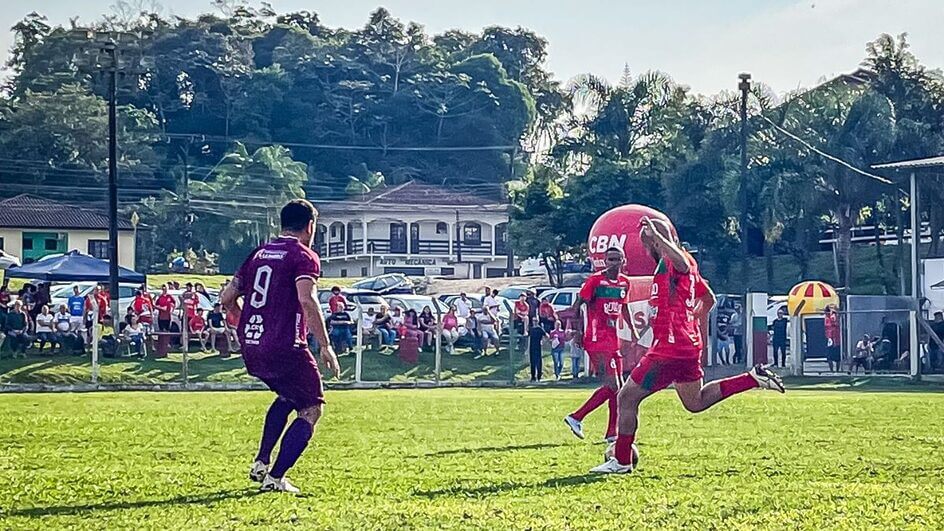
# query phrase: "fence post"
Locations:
[[96, 336], [439, 332], [359, 351], [796, 344], [914, 349], [185, 344], [512, 340]]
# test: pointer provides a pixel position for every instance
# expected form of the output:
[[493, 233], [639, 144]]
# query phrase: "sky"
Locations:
[[704, 44]]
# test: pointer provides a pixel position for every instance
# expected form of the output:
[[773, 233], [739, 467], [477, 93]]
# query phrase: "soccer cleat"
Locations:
[[258, 472], [610, 439], [612, 466], [271, 484], [766, 378], [575, 426]]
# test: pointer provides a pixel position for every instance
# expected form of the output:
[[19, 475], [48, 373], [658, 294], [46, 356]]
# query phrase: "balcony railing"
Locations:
[[417, 247]]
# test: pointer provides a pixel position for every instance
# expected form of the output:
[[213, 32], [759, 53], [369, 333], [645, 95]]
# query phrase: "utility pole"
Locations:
[[101, 52], [745, 87], [510, 260], [112, 69]]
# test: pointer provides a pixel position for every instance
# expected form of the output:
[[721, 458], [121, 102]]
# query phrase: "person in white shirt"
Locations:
[[463, 305], [490, 302], [134, 332], [63, 320], [367, 324], [45, 332]]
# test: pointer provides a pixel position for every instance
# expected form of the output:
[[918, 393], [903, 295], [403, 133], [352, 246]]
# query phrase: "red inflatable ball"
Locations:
[[619, 227]]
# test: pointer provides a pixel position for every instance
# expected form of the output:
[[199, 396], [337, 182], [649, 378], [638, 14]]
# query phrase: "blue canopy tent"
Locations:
[[73, 267]]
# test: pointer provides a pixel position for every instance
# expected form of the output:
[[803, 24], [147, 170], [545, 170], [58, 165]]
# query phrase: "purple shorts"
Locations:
[[293, 376]]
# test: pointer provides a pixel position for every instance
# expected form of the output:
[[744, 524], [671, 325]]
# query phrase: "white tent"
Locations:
[[7, 260]]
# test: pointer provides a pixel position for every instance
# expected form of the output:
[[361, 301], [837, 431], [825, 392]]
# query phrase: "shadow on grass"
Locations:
[[498, 488], [197, 499], [860, 384], [510, 448]]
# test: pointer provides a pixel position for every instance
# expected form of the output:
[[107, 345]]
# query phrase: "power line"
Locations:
[[340, 147], [823, 154]]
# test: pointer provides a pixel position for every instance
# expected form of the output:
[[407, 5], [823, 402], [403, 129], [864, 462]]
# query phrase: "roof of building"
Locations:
[[424, 196], [31, 212], [930, 162]]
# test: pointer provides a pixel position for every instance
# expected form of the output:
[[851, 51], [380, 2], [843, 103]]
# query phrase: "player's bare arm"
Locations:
[[705, 303], [628, 317], [578, 321], [230, 297], [307, 297], [667, 248]]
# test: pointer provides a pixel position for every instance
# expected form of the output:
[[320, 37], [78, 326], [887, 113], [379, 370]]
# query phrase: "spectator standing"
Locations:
[[201, 291], [833, 338], [463, 306], [189, 301], [28, 296], [547, 315], [216, 324], [5, 297], [576, 353], [779, 339], [165, 305], [77, 309], [533, 305], [724, 343], [536, 339], [490, 302], [337, 302], [232, 324], [558, 340], [144, 309], [45, 328], [736, 333]]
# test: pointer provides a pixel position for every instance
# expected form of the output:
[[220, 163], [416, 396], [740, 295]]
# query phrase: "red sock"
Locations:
[[611, 423], [624, 448], [736, 384], [596, 400]]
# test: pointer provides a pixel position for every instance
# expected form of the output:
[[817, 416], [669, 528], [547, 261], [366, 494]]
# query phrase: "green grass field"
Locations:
[[474, 459]]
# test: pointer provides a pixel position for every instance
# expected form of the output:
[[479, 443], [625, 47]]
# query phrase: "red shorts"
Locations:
[[611, 361], [296, 379], [655, 373]]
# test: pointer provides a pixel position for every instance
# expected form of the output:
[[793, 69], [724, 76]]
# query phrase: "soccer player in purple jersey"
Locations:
[[277, 283]]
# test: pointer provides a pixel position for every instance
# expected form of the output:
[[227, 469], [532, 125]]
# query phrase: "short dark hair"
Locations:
[[614, 249], [296, 214], [335, 288]]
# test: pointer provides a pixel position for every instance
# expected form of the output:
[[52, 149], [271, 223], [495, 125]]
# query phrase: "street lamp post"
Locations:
[[745, 87]]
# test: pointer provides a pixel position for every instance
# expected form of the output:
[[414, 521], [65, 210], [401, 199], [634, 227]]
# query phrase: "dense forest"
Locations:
[[224, 116]]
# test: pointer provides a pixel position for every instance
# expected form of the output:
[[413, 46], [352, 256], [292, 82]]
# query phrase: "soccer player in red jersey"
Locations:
[[606, 295], [679, 299], [277, 283]]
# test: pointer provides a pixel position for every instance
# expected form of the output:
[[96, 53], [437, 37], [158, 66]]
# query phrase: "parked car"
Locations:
[[451, 299], [416, 302], [393, 283], [365, 298], [562, 299], [60, 293], [532, 267]]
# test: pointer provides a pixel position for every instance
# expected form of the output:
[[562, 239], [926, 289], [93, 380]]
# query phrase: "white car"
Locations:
[[562, 298], [532, 267], [60, 293], [356, 298]]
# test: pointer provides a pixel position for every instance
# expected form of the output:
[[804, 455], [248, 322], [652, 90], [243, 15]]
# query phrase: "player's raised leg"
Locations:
[[697, 397]]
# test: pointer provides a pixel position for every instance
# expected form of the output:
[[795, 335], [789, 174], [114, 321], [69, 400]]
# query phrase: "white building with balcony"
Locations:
[[415, 229]]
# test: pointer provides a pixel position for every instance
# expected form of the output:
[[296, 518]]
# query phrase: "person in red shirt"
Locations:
[[680, 298], [522, 312], [99, 296], [337, 302], [606, 297], [143, 308], [547, 315], [165, 305], [198, 329], [833, 338], [190, 301]]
